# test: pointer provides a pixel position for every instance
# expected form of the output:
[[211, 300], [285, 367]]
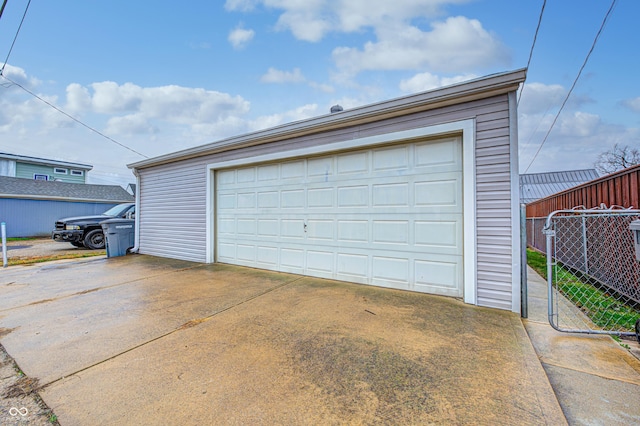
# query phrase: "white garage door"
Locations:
[[388, 216]]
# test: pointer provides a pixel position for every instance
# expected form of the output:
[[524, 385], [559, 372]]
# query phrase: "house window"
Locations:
[[40, 177], [60, 171], [77, 173]]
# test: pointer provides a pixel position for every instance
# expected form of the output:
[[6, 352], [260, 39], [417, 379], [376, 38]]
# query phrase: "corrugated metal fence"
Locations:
[[617, 189]]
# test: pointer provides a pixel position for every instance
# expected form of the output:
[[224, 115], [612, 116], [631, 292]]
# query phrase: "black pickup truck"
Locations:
[[85, 231]]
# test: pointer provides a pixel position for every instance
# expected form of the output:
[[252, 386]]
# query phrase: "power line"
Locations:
[[71, 117], [24, 15], [535, 37], [4, 3], [584, 64]]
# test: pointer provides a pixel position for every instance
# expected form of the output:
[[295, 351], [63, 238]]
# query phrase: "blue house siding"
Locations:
[[30, 218]]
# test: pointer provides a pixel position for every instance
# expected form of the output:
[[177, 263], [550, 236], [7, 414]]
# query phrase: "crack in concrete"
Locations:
[[184, 326]]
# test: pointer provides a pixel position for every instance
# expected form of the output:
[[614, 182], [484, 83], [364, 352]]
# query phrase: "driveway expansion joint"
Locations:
[[184, 326]]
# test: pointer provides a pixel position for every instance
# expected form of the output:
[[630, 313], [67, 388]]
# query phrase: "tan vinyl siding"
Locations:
[[172, 214]]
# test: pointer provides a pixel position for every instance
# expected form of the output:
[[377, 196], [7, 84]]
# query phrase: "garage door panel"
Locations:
[[353, 231], [438, 273], [246, 252], [321, 230], [267, 256], [293, 259], [246, 175], [437, 193], [390, 216], [390, 195], [321, 261], [270, 172], [348, 164], [292, 169], [353, 196], [268, 199], [443, 236], [292, 228], [438, 156], [391, 232], [323, 167], [352, 265], [268, 228], [320, 197], [395, 159], [386, 268]]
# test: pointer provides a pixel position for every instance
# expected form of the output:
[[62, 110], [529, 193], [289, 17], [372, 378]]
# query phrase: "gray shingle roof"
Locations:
[[11, 187], [540, 185]]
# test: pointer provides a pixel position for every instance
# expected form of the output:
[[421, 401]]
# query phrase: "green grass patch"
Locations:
[[598, 304], [40, 259], [538, 262], [21, 239]]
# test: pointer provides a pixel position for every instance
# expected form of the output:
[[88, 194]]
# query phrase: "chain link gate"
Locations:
[[592, 271]]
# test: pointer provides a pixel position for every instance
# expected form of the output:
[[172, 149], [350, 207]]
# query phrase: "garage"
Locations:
[[389, 216], [418, 193]]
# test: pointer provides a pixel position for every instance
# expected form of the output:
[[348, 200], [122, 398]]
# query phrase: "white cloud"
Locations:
[[300, 113], [130, 125], [311, 20], [539, 98], [326, 88], [456, 44], [240, 37], [241, 5], [277, 76], [633, 104], [580, 124], [133, 107], [427, 81], [19, 76]]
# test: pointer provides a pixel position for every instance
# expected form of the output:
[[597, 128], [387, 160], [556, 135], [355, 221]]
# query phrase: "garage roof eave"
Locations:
[[480, 88]]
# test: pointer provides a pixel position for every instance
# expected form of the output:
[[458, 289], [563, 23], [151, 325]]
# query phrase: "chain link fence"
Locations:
[[592, 270]]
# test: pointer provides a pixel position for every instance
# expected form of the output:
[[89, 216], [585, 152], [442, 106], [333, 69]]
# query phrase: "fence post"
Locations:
[[524, 305], [533, 232], [3, 227], [550, 233], [584, 244]]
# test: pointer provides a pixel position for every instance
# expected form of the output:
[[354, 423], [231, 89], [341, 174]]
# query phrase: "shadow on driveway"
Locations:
[[144, 340]]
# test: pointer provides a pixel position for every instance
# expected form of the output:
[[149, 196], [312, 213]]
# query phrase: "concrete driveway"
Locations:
[[144, 340]]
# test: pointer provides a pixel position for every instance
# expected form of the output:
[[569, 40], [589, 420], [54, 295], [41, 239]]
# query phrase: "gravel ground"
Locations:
[[19, 402], [40, 248]]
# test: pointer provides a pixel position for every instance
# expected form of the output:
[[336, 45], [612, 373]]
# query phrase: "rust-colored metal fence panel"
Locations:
[[617, 189]]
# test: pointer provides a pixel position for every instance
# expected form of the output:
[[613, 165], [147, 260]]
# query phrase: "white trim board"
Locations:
[[464, 127]]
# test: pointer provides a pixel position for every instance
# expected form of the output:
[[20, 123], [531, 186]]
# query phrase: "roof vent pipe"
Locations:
[[336, 108]]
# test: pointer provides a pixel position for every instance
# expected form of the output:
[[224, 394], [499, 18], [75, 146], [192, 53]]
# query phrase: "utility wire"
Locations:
[[71, 117], [593, 45], [535, 37], [4, 3], [24, 15]]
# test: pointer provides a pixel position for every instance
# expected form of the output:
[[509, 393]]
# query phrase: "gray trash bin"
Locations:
[[635, 228], [119, 236]]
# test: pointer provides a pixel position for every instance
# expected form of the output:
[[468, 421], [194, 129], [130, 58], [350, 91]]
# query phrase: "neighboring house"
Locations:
[[417, 193], [21, 166], [131, 189], [535, 186], [30, 207]]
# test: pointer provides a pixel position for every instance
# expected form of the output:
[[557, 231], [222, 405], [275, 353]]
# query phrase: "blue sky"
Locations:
[[163, 76]]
